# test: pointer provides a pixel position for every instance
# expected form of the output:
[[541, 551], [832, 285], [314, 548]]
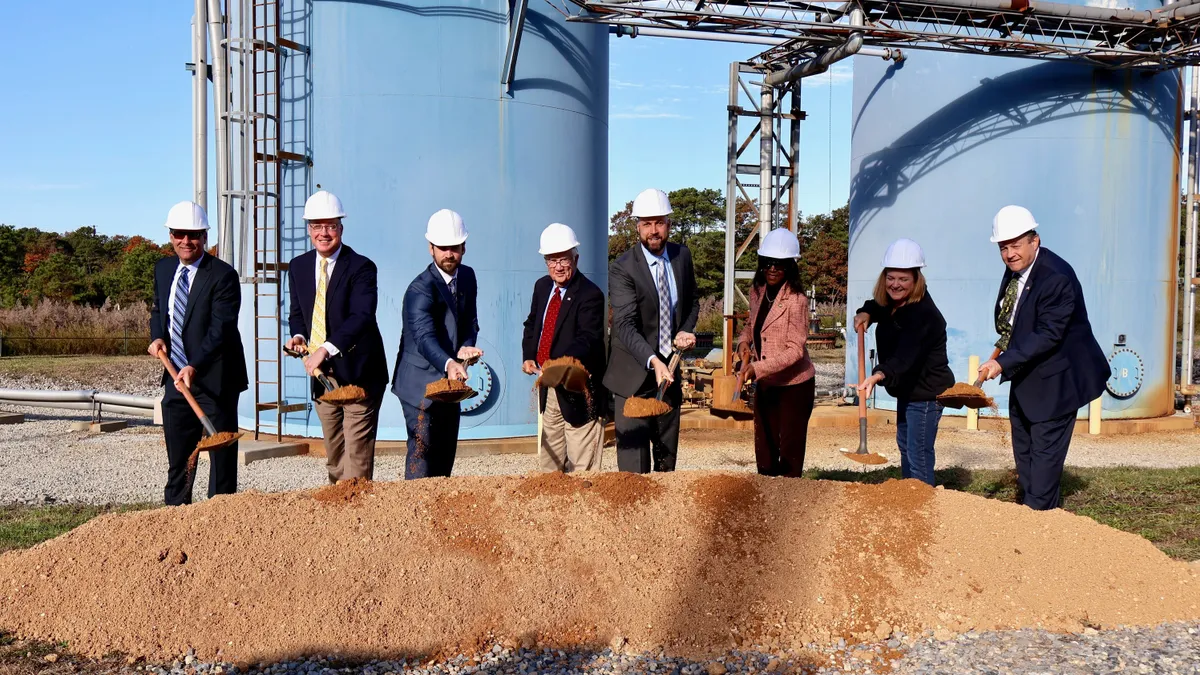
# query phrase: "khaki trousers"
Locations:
[[568, 448], [349, 432]]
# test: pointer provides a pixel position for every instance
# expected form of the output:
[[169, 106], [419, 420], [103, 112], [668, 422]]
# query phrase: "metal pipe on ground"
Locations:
[[80, 399], [112, 409]]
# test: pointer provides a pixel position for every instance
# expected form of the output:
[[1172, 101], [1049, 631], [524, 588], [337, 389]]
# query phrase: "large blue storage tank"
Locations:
[[408, 116], [942, 141]]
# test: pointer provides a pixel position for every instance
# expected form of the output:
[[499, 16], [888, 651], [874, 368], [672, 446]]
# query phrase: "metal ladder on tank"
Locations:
[[263, 48]]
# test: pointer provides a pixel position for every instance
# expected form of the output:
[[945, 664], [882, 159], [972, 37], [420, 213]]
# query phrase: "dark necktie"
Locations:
[[1003, 327]]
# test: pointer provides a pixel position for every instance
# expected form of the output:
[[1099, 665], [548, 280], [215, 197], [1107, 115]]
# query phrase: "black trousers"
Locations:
[[1039, 450], [657, 438], [182, 431], [781, 417], [432, 439]]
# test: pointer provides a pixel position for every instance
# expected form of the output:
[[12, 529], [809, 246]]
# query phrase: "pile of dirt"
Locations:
[[350, 393], [636, 406], [693, 562]]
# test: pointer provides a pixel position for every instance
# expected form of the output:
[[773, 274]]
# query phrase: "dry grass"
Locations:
[[53, 328]]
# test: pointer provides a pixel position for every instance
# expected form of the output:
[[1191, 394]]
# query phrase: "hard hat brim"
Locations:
[[187, 229], [995, 240], [544, 251], [444, 244]]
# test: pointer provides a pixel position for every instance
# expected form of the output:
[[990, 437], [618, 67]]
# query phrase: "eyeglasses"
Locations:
[[768, 263], [194, 235], [323, 228], [558, 262]]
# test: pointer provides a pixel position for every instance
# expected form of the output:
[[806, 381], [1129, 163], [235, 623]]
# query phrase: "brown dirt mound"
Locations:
[[342, 395], [448, 390], [963, 394], [694, 562], [645, 407], [344, 491], [565, 371]]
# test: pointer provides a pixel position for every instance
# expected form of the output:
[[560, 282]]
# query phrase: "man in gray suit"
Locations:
[[652, 292]]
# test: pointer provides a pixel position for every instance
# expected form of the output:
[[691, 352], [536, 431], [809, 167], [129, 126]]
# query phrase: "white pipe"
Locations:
[[890, 53], [766, 192], [1189, 247], [76, 396], [216, 36], [199, 107]]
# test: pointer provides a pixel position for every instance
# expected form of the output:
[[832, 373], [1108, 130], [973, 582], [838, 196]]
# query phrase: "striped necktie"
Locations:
[[664, 310], [178, 356], [318, 322]]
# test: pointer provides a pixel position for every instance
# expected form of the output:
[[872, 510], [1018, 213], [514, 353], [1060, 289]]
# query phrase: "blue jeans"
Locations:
[[916, 431]]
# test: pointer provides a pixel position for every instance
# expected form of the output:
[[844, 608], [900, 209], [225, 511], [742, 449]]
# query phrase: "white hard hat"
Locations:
[[651, 203], [187, 216], [780, 244], [446, 228], [903, 254], [1011, 222], [557, 238], [323, 204]]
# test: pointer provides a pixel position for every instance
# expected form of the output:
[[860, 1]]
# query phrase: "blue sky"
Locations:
[[95, 128]]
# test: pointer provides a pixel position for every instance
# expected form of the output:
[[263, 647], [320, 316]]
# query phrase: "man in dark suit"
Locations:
[[567, 319], [194, 320], [652, 290], [1047, 352], [333, 300], [440, 328]]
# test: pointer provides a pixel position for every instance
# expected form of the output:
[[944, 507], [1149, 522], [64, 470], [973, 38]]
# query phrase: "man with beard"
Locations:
[[652, 292], [439, 331]]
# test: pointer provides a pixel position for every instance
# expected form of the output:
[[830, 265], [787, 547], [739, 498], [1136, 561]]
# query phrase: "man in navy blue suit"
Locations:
[[1047, 352], [194, 320], [441, 325], [333, 299]]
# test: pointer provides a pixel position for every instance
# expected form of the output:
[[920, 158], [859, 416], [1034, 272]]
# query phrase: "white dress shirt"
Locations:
[[1022, 277], [192, 269], [447, 278], [329, 346]]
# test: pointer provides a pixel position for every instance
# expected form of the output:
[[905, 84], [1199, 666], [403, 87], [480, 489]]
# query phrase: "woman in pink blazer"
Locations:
[[772, 351]]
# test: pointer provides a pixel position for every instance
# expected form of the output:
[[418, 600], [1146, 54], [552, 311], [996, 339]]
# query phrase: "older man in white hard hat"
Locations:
[[194, 321], [652, 292], [441, 325], [1046, 350], [566, 319], [333, 296]]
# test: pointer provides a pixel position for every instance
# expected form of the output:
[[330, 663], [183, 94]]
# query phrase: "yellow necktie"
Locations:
[[318, 322]]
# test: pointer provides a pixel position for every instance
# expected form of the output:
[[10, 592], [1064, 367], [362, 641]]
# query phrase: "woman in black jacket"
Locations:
[[910, 335]]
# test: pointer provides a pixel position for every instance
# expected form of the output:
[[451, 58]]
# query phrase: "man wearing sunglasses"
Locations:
[[194, 321], [333, 299], [652, 292]]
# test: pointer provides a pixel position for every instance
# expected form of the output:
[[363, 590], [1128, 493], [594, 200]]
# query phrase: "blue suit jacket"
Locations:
[[1053, 360], [351, 297], [435, 327]]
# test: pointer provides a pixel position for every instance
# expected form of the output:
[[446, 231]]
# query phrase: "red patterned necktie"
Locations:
[[543, 352]]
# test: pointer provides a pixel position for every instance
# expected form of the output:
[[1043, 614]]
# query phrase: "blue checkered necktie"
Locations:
[[178, 357], [664, 309]]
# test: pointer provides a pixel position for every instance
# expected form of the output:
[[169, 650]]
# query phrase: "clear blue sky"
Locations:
[[95, 128]]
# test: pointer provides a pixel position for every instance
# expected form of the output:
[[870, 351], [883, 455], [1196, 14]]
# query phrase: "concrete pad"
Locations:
[[106, 427], [254, 451], [81, 426], [11, 418]]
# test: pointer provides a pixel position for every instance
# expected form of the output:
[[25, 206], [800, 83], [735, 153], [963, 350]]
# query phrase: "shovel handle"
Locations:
[[209, 429], [320, 376], [672, 364], [995, 353], [862, 400]]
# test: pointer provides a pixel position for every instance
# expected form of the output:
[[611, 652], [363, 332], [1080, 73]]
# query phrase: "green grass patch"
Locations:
[[1160, 505], [24, 526]]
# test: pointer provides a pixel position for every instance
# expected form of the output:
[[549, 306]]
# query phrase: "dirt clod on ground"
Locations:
[[350, 393], [694, 563], [645, 407]]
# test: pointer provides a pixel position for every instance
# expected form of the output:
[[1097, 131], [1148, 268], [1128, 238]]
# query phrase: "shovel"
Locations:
[[339, 396], [212, 439], [446, 390], [969, 395], [652, 407], [861, 455]]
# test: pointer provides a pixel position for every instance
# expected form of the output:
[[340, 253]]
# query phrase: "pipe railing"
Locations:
[[81, 399]]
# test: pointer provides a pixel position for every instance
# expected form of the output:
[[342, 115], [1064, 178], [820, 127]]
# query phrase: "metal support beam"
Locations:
[[516, 26], [200, 105], [220, 80], [1189, 247]]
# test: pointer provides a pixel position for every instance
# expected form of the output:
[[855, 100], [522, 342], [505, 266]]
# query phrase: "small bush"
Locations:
[[55, 328]]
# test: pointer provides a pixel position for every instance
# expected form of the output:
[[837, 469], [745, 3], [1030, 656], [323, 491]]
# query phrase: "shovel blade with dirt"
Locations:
[[862, 455], [566, 372], [638, 407], [348, 394], [971, 396], [212, 439], [447, 390]]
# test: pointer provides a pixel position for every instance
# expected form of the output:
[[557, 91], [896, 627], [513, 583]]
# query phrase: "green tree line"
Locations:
[[80, 267]]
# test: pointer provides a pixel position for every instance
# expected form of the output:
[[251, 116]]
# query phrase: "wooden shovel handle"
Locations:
[[862, 370], [187, 394], [979, 378]]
